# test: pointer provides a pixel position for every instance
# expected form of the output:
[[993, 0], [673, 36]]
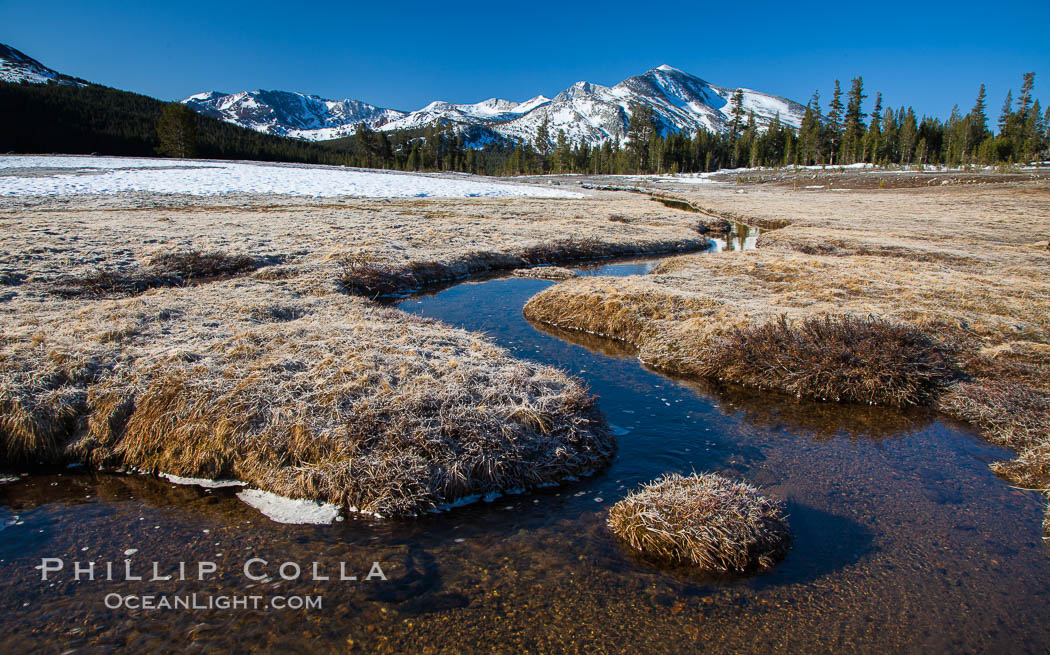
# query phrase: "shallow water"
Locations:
[[904, 540]]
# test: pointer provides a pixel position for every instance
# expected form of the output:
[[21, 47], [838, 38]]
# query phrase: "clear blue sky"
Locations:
[[405, 54]]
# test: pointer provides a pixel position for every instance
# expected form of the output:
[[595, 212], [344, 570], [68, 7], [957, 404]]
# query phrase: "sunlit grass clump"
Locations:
[[704, 520], [840, 358]]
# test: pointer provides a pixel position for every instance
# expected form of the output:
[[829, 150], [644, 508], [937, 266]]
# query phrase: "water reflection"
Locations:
[[739, 237]]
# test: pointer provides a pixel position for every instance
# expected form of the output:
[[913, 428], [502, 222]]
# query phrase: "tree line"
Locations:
[[62, 118], [71, 119], [843, 134]]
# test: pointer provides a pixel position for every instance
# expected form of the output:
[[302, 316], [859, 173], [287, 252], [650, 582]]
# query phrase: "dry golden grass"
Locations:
[[843, 359], [965, 265], [273, 375], [169, 269], [705, 520]]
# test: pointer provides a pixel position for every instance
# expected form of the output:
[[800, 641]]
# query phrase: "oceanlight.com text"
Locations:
[[194, 601]]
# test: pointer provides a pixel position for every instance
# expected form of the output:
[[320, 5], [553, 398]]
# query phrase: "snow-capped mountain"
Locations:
[[292, 114], [16, 66], [586, 112]]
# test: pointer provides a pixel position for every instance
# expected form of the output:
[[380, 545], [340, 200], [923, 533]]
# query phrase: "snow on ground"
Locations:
[[288, 510], [202, 482], [211, 177]]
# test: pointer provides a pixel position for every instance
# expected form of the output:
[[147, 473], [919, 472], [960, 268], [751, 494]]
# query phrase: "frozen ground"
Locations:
[[66, 175]]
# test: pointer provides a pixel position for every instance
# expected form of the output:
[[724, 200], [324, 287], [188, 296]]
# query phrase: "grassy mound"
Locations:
[[705, 520], [170, 269], [840, 358], [611, 307], [329, 398]]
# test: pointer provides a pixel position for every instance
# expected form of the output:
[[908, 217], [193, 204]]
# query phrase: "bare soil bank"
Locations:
[[967, 265], [213, 337]]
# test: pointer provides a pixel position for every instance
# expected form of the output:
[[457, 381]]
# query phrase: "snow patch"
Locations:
[[202, 482], [289, 510]]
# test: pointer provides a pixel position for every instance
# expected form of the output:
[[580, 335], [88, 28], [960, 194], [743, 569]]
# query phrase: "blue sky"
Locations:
[[405, 54]]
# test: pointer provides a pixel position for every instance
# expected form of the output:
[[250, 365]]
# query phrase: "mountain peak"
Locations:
[[586, 112]]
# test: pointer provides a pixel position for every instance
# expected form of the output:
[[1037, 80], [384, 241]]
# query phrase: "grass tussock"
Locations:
[[705, 520], [170, 269], [1012, 414], [840, 358], [367, 275], [42, 402]]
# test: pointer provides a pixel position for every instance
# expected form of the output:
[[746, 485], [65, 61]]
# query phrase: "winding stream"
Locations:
[[904, 539]]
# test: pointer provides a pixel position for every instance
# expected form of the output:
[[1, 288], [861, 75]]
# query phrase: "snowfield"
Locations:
[[68, 175]]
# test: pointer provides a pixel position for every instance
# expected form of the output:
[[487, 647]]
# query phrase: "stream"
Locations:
[[904, 540]]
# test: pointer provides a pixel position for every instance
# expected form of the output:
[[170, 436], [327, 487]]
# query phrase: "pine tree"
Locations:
[[811, 133], [736, 113], [177, 131], [369, 143], [1046, 133], [385, 150], [978, 125], [1024, 100], [851, 143], [909, 134], [805, 131], [1034, 129], [562, 155], [835, 121], [640, 129], [1007, 113], [543, 137], [873, 138]]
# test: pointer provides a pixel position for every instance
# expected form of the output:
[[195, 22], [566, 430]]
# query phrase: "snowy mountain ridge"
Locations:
[[586, 112], [16, 66]]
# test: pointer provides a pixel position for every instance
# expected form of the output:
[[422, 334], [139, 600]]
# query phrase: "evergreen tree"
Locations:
[[640, 129], [873, 138], [1024, 100], [736, 113], [909, 135], [177, 131], [1046, 133], [834, 125], [811, 133], [562, 153], [543, 137], [368, 141], [978, 125], [1033, 132], [854, 120], [1007, 113], [386, 150]]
